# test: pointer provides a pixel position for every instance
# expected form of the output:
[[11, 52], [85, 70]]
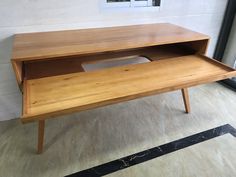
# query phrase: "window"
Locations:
[[132, 3]]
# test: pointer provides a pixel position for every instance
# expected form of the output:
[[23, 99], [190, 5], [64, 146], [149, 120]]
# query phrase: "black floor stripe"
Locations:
[[155, 152]]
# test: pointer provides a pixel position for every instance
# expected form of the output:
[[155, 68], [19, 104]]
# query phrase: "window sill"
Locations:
[[130, 9]]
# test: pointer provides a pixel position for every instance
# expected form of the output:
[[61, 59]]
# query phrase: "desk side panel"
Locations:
[[18, 68], [199, 47]]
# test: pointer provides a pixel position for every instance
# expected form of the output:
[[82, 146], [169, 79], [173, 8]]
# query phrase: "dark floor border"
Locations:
[[155, 152]]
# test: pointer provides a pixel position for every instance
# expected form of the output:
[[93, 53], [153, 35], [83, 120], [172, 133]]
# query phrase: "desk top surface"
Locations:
[[34, 46]]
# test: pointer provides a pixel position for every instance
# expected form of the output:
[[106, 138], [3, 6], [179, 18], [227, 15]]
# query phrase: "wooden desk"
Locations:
[[49, 72]]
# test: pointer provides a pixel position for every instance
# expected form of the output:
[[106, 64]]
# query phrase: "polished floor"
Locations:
[[87, 139], [215, 157]]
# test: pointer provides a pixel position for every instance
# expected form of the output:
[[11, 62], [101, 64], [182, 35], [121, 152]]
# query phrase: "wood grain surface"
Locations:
[[33, 46], [52, 96]]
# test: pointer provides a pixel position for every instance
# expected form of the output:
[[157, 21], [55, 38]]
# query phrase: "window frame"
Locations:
[[132, 3]]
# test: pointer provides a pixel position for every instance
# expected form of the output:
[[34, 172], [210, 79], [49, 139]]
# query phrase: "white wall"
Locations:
[[20, 16]]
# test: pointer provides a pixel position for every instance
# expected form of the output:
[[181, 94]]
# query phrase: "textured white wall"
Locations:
[[21, 16]]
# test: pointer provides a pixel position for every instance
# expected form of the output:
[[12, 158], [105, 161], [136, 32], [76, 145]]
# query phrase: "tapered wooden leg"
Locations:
[[186, 100], [41, 127]]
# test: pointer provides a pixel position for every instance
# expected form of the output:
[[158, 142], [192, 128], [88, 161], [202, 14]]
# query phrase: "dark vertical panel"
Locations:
[[224, 36], [156, 2], [225, 29]]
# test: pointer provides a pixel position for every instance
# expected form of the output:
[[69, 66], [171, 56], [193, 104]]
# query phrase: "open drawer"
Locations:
[[56, 95]]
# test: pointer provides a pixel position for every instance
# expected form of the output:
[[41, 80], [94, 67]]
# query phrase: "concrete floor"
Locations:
[[83, 140]]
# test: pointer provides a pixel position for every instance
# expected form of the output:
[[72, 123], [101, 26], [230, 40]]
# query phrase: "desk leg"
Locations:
[[186, 100], [41, 126]]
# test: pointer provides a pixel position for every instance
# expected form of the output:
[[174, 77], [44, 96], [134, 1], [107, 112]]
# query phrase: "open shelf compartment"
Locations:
[[66, 65]]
